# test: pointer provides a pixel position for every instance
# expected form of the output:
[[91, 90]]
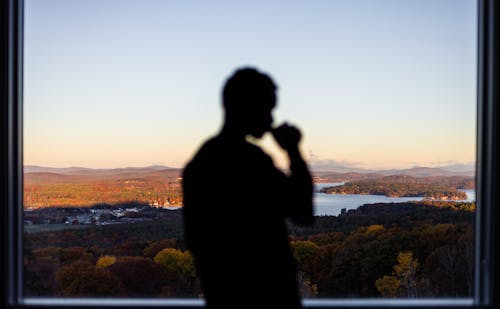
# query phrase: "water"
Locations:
[[471, 195], [332, 204]]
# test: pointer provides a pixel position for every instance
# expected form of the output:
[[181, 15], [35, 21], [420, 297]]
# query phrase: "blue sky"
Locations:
[[376, 84]]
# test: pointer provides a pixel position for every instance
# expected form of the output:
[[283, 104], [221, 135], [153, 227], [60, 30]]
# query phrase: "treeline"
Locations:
[[390, 250], [438, 188], [152, 190]]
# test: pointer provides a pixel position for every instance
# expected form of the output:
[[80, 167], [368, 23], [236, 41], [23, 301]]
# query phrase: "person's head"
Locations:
[[248, 98]]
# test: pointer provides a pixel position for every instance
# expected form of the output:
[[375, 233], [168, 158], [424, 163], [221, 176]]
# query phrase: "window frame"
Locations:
[[487, 172]]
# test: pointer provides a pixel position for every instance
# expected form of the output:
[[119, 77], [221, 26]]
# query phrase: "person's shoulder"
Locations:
[[201, 154], [210, 145]]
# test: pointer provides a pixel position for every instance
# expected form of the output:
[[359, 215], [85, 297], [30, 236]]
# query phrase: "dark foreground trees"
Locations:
[[380, 250]]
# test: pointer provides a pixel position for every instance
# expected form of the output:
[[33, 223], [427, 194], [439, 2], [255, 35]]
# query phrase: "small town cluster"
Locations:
[[97, 215]]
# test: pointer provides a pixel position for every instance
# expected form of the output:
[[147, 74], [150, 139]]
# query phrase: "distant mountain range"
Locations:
[[421, 171], [337, 171], [416, 171], [77, 170], [43, 175]]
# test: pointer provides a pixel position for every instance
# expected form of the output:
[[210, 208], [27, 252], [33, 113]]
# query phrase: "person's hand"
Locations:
[[287, 136]]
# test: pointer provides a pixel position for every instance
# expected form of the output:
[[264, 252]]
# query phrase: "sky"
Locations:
[[371, 84]]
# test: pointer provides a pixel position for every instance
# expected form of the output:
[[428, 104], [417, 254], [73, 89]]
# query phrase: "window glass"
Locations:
[[119, 95]]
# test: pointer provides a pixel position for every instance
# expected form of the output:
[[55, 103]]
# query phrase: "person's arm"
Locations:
[[299, 183]]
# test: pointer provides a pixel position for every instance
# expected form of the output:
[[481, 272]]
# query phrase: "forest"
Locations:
[[414, 249], [162, 187], [62, 191], [437, 188]]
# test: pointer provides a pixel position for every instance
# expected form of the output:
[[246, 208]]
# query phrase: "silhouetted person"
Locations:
[[236, 202]]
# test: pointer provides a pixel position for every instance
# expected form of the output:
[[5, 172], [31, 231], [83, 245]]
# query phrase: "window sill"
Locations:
[[312, 303]]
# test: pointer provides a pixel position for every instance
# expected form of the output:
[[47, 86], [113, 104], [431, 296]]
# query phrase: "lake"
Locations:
[[332, 204]]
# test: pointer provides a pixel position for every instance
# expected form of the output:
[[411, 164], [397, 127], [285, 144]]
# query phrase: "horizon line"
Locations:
[[311, 167]]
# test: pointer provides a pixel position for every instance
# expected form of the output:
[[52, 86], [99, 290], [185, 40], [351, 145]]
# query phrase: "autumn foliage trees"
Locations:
[[169, 274], [381, 250], [403, 281], [46, 190]]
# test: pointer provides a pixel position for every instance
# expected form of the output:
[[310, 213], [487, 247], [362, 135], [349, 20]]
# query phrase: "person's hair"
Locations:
[[245, 88]]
